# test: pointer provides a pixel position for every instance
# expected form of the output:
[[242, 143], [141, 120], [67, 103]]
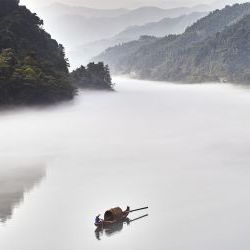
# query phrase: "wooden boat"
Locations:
[[114, 216]]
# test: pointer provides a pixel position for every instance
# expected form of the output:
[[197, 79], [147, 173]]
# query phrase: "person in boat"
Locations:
[[98, 220]]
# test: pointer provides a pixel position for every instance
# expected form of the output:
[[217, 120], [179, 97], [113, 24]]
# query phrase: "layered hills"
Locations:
[[212, 49], [77, 27], [163, 27]]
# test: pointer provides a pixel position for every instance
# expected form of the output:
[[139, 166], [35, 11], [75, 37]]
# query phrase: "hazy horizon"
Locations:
[[87, 33], [107, 4]]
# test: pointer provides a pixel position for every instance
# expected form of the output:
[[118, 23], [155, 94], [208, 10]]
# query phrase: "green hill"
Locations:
[[171, 58], [94, 76], [33, 69], [223, 57]]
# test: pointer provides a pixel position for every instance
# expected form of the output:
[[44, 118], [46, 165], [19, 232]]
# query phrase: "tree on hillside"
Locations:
[[33, 68], [95, 76]]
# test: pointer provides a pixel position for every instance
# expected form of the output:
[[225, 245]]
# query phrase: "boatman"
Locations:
[[97, 219]]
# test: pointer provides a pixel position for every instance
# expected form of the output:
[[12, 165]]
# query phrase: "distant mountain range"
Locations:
[[79, 26], [59, 9], [76, 26], [158, 29], [215, 48], [164, 27]]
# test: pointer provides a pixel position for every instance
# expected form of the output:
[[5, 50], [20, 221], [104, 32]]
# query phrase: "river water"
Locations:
[[182, 150]]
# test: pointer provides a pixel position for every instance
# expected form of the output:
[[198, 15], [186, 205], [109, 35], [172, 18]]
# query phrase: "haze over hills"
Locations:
[[74, 29], [158, 29], [75, 26], [59, 9], [164, 27], [176, 58], [131, 4]]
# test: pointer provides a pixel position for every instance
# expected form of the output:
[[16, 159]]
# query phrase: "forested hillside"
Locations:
[[94, 76], [172, 57], [224, 57], [33, 68], [119, 55]]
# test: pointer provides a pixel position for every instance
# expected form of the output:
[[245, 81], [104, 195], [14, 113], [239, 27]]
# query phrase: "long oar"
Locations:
[[146, 215], [138, 209]]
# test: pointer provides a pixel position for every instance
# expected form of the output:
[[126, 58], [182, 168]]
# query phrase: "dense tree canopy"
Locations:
[[7, 6], [222, 57], [94, 76], [33, 68]]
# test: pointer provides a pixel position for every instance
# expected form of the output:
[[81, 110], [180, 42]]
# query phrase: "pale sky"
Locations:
[[34, 4]]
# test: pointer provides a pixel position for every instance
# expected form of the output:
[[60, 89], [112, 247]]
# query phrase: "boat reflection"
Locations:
[[115, 228]]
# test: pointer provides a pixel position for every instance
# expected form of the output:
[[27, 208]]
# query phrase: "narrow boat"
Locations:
[[114, 216]]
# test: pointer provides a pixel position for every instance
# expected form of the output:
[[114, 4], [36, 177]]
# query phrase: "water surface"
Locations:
[[182, 150]]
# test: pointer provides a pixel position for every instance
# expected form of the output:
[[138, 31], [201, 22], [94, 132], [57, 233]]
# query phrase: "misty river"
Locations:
[[182, 150]]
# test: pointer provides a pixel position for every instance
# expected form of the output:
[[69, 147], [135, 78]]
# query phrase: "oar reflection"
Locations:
[[115, 228]]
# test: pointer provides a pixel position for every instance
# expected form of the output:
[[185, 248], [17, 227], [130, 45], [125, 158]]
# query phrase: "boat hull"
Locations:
[[106, 224]]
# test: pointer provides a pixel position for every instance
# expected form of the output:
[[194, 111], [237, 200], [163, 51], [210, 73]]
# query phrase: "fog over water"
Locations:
[[182, 150]]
